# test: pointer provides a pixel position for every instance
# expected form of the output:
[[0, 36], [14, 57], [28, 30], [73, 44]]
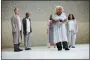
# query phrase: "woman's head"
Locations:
[[59, 9], [71, 17]]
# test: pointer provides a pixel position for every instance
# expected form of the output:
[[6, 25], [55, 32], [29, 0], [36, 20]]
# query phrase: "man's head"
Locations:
[[59, 9], [16, 11], [27, 14]]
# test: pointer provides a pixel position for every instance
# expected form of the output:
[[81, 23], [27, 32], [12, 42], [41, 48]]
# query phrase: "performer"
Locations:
[[72, 30], [16, 30], [58, 21], [27, 29], [50, 32]]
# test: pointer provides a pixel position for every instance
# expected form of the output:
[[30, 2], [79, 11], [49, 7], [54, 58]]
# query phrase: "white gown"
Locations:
[[72, 30], [59, 28]]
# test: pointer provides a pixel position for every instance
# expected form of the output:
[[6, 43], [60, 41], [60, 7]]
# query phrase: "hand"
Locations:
[[21, 34], [54, 22], [47, 31], [31, 31], [64, 21], [60, 20], [21, 37]]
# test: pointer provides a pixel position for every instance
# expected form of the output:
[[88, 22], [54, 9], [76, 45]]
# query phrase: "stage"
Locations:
[[81, 51]]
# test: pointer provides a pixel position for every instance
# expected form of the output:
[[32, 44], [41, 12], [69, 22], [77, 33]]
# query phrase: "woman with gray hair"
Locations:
[[58, 21]]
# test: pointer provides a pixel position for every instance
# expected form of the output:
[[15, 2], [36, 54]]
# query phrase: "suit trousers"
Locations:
[[27, 40]]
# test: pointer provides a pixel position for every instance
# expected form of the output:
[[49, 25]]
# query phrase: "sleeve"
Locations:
[[21, 28], [76, 26], [30, 26], [64, 16], [50, 17], [24, 26], [13, 24]]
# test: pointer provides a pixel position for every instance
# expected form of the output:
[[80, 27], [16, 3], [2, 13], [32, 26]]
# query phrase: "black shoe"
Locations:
[[16, 49], [69, 46], [59, 49], [20, 49], [67, 49], [65, 45], [59, 46], [73, 46], [27, 48]]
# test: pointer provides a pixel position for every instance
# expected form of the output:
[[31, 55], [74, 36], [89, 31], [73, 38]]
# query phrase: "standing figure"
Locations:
[[50, 32], [27, 29], [16, 30], [72, 30], [58, 21]]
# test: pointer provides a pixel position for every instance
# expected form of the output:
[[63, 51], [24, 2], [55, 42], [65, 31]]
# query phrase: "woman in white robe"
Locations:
[[72, 30], [60, 36]]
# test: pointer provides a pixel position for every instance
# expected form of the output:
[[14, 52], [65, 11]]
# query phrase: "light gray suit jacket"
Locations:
[[17, 35]]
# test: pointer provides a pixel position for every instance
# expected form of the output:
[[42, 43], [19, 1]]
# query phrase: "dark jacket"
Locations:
[[24, 22]]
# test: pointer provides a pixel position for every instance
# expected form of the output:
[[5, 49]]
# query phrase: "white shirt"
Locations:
[[72, 26], [19, 22], [28, 25]]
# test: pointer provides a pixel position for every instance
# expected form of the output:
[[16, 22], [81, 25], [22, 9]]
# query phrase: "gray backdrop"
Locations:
[[40, 12]]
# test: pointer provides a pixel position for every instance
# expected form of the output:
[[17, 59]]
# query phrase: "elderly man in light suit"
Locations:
[[16, 30]]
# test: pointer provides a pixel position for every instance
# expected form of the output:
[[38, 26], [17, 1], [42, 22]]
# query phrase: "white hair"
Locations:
[[59, 7]]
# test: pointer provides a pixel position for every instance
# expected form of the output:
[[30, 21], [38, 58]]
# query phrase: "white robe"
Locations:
[[59, 28], [72, 30]]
